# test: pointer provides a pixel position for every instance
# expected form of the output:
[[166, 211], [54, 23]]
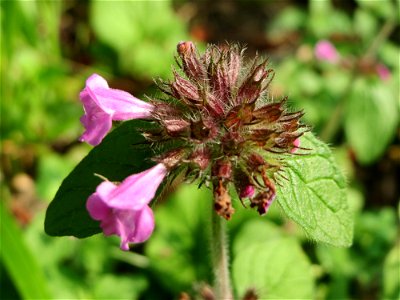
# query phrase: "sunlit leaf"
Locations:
[[314, 196], [371, 119], [275, 269]]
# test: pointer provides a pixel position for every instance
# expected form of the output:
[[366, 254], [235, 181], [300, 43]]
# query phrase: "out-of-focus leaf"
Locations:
[[323, 20], [371, 119], [121, 154], [382, 8], [391, 274], [19, 261], [314, 196], [255, 231], [389, 54], [119, 287], [148, 32], [178, 249], [309, 81], [52, 169], [276, 269], [365, 24], [338, 263], [290, 19]]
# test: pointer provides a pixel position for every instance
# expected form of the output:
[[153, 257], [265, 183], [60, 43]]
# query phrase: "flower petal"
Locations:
[[102, 105], [96, 122], [138, 190], [134, 226], [96, 81], [118, 103]]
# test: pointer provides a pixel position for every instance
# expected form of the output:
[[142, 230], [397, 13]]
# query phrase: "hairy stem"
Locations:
[[220, 257]]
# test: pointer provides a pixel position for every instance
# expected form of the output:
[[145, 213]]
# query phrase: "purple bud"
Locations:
[[252, 88], [222, 169], [191, 64], [184, 89], [247, 192], [201, 157]]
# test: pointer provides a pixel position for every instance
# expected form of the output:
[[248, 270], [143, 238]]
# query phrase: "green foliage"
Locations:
[[40, 81], [315, 195], [180, 239], [19, 261], [76, 269], [391, 271], [274, 265], [118, 156], [371, 119], [35, 66], [147, 34]]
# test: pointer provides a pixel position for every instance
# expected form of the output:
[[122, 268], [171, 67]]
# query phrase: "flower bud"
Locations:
[[201, 157], [251, 89], [222, 169], [191, 64], [185, 90], [247, 191]]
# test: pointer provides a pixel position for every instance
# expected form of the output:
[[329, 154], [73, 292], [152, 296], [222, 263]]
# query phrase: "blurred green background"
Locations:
[[49, 48]]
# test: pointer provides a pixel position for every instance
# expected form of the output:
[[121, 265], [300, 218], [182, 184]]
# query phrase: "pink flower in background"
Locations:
[[123, 209], [102, 105], [383, 72], [325, 50]]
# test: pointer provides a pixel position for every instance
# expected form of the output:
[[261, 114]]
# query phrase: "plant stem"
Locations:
[[220, 257]]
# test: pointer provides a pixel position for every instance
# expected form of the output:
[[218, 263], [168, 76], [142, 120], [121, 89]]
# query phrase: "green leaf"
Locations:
[[178, 249], [19, 261], [118, 156], [315, 194], [371, 119], [148, 32], [119, 287], [391, 271], [382, 8], [276, 269], [255, 231]]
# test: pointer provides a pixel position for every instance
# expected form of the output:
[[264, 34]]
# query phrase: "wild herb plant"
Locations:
[[216, 125]]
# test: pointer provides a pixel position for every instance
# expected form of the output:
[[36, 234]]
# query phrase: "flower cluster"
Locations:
[[230, 134]]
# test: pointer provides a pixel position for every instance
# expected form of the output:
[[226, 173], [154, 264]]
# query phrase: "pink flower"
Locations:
[[296, 144], [102, 105], [123, 209], [247, 192], [383, 72], [324, 50]]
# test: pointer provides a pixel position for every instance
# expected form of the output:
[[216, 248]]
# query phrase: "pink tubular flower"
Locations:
[[102, 105], [123, 209], [325, 50]]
